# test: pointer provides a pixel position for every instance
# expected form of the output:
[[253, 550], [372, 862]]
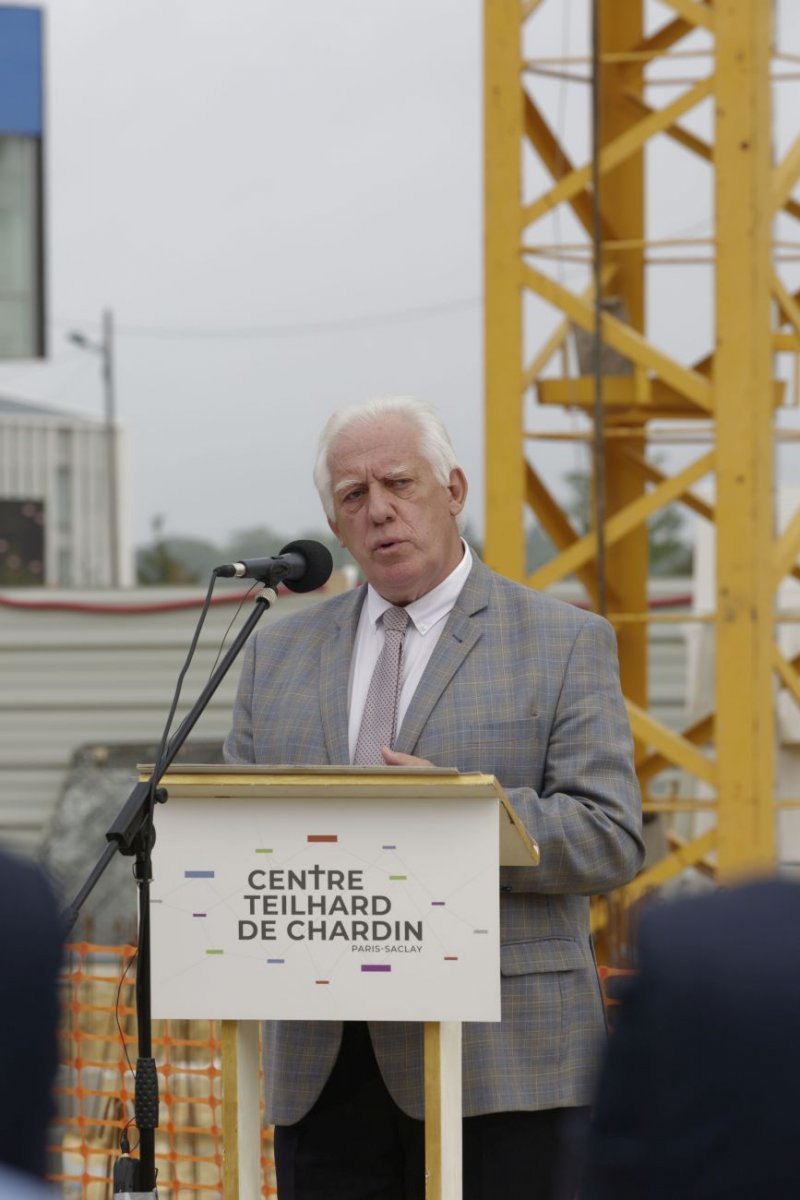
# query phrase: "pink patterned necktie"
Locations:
[[380, 711]]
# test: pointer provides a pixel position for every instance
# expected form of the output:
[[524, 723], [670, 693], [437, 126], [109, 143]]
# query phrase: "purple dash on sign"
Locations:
[[198, 874], [388, 847], [375, 967], [199, 914], [437, 903], [276, 960]]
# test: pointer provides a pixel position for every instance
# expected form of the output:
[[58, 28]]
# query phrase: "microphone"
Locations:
[[302, 566]]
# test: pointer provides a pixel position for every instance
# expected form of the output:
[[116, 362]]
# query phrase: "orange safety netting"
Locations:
[[95, 1086]]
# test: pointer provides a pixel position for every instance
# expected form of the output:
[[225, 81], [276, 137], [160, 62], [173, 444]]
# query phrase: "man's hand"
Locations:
[[393, 758]]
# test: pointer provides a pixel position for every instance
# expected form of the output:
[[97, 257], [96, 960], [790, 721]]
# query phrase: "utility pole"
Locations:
[[110, 413], [105, 349]]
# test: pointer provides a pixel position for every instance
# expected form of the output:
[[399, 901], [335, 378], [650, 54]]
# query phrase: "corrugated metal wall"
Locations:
[[88, 671], [96, 672]]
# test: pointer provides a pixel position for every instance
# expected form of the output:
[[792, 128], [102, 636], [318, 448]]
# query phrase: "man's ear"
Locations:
[[458, 488], [334, 530]]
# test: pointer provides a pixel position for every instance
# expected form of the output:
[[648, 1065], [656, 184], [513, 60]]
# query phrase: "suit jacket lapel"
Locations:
[[462, 630], [337, 653]]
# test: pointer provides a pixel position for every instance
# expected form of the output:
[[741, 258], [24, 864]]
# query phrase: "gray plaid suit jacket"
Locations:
[[520, 686]]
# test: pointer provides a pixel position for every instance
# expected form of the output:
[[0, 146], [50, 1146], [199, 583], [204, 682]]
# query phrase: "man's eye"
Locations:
[[356, 494]]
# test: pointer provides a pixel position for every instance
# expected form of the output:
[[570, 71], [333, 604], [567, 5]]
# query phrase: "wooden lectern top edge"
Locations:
[[299, 778], [325, 782], [215, 780], [289, 769]]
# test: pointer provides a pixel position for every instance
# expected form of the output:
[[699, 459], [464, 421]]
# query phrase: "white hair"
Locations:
[[434, 440]]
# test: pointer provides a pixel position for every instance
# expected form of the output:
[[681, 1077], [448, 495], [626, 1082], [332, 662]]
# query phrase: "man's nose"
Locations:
[[378, 505]]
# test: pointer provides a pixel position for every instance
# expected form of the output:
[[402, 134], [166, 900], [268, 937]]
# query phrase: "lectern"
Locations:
[[326, 894]]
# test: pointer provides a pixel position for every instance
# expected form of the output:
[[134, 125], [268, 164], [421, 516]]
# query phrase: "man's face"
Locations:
[[390, 512]]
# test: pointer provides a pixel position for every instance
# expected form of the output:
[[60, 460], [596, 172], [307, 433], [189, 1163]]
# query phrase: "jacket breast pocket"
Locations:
[[513, 750]]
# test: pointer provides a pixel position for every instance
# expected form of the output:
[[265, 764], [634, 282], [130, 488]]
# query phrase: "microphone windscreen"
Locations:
[[319, 565]]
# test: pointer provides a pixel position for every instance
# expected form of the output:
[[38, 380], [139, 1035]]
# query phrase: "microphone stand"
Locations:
[[132, 833]]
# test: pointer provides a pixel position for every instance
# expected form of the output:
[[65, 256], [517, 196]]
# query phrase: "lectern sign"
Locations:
[[321, 909]]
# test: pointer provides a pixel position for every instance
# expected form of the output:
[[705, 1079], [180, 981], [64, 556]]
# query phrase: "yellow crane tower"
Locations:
[[723, 405]]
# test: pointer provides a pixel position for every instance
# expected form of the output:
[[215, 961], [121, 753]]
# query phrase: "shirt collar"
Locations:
[[435, 604]]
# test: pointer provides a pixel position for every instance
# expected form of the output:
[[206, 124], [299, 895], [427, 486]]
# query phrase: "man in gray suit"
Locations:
[[495, 678]]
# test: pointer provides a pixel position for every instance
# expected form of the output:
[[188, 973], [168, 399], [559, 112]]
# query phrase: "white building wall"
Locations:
[[63, 461]]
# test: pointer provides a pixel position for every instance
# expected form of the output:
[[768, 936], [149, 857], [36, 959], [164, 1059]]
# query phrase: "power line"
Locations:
[[298, 329]]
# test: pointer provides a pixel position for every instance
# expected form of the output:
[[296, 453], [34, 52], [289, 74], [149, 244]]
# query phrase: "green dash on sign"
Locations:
[[263, 850], [215, 951], [398, 877]]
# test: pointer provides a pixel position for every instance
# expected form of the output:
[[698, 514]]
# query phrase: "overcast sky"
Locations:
[[281, 202], [220, 172]]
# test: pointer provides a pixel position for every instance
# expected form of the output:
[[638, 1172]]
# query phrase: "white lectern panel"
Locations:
[[301, 908]]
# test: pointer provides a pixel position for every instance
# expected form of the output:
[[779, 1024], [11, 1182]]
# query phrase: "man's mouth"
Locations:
[[386, 545]]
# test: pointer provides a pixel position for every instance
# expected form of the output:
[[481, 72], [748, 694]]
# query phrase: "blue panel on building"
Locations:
[[20, 71]]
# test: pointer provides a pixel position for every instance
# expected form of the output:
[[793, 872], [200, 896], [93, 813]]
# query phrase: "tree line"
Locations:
[[181, 559]]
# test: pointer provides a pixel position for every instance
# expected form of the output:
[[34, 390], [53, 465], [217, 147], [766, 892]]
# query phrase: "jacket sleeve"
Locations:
[[587, 817]]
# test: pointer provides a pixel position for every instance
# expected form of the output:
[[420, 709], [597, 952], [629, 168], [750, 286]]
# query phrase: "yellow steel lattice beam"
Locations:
[[558, 528], [787, 673], [697, 146], [786, 301], [689, 854], [560, 334], [503, 125], [745, 728], [552, 154], [619, 150], [730, 390], [667, 36], [697, 15], [616, 527], [698, 734], [671, 746], [785, 175], [653, 475], [786, 550], [622, 337]]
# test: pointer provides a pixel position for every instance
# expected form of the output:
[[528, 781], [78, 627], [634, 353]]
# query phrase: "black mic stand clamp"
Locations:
[[133, 834]]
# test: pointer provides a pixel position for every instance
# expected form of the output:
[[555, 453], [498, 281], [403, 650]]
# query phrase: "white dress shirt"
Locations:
[[427, 620]]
